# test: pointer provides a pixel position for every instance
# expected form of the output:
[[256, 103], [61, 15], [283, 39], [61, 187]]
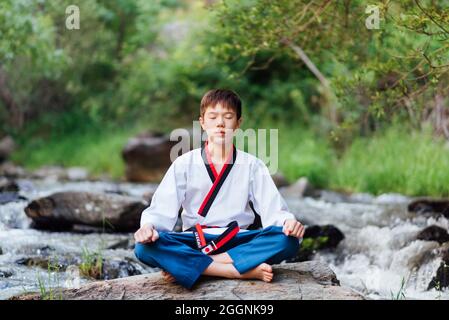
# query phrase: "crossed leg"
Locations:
[[222, 267], [250, 260]]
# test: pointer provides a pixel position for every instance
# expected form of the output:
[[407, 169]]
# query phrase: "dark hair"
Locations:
[[228, 98]]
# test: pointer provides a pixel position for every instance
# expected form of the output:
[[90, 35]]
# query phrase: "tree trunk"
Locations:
[[317, 73]]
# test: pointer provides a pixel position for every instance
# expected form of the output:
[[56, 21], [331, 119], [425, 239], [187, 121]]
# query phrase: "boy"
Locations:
[[214, 185]]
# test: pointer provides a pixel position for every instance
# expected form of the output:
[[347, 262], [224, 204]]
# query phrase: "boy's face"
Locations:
[[220, 124]]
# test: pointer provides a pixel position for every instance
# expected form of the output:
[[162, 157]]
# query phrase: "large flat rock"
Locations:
[[310, 280]]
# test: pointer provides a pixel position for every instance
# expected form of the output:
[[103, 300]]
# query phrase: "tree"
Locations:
[[374, 74]]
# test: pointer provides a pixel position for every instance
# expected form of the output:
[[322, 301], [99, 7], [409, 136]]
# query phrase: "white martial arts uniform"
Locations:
[[188, 182]]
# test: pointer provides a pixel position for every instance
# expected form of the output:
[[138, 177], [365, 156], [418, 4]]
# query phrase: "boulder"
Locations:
[[7, 185], [58, 173], [9, 191], [279, 180], [434, 233], [88, 266], [6, 197], [63, 210], [301, 188], [426, 206], [6, 273], [318, 238], [310, 280], [441, 278], [10, 170], [147, 157]]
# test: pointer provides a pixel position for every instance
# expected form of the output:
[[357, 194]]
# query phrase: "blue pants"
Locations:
[[177, 253]]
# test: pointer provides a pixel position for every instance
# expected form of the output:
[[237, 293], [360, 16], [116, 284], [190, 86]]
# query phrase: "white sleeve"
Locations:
[[267, 200], [167, 199]]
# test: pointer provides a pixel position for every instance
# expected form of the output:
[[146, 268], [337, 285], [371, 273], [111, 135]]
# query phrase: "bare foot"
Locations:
[[168, 277], [263, 272]]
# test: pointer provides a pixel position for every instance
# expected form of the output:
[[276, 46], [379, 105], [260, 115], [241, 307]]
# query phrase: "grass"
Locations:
[[304, 154], [50, 290], [92, 264], [400, 295], [301, 152], [408, 162], [98, 153]]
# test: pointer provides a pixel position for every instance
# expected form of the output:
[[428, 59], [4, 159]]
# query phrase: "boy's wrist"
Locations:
[[148, 224]]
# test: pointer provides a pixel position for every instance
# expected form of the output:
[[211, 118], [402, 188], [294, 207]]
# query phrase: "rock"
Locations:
[[310, 280], [7, 185], [318, 238], [361, 198], [391, 198], [9, 191], [6, 148], [279, 180], [147, 157], [333, 235], [118, 268], [122, 244], [77, 174], [333, 196], [344, 197], [301, 188], [61, 210], [58, 173], [53, 173], [441, 279], [425, 206], [434, 233], [10, 170], [1, 251], [44, 262], [147, 196], [106, 270], [5, 273], [6, 197]]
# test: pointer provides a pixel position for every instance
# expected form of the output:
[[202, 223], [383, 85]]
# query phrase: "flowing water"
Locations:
[[18, 241], [379, 251]]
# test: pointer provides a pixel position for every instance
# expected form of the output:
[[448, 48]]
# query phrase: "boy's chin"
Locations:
[[221, 140]]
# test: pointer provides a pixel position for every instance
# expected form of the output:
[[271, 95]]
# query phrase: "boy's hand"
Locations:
[[293, 228], [146, 234]]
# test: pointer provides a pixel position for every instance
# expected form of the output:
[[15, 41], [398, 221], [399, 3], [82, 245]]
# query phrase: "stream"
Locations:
[[379, 253]]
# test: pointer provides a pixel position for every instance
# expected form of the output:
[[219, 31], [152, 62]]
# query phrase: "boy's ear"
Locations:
[[239, 122], [201, 119]]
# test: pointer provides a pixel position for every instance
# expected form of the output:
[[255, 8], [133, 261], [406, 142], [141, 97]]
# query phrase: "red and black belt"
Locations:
[[207, 248], [217, 182]]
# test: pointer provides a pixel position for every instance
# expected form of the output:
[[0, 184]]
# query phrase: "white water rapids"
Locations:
[[379, 251]]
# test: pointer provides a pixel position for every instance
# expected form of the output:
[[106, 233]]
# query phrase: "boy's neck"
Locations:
[[219, 152]]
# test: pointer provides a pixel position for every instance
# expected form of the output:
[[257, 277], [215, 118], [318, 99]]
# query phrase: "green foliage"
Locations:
[[73, 97], [98, 151], [371, 76], [312, 156], [401, 160], [400, 295], [51, 289], [311, 244], [92, 265]]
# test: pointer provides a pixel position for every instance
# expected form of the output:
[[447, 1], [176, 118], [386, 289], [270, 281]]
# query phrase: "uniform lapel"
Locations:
[[217, 179]]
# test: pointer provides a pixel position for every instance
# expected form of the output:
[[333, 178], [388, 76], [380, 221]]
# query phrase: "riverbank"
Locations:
[[412, 163]]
